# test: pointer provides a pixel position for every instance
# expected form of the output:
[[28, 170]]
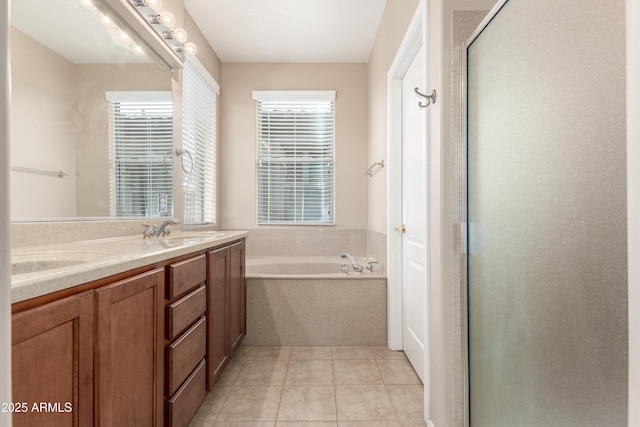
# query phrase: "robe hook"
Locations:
[[431, 99]]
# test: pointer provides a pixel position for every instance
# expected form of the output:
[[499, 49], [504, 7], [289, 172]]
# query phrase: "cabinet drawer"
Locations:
[[186, 275], [185, 311], [185, 353], [185, 403]]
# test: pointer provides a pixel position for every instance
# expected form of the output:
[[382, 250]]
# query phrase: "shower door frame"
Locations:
[[633, 205], [463, 224]]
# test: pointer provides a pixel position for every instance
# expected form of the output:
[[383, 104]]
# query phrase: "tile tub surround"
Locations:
[[306, 241], [316, 311], [315, 386], [377, 247]]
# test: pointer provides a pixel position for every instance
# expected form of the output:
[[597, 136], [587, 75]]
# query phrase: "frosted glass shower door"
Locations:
[[547, 289]]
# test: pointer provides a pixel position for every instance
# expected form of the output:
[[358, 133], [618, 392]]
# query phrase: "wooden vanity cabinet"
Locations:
[[52, 362], [225, 307], [217, 309], [139, 351], [186, 334], [237, 296], [129, 351]]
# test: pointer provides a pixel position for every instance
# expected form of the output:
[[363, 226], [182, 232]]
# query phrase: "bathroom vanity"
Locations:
[[139, 347]]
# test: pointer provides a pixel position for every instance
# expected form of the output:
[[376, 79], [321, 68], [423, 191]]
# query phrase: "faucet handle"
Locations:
[[149, 230], [370, 265]]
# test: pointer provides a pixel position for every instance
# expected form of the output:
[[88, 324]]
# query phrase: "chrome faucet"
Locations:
[[356, 267], [160, 231]]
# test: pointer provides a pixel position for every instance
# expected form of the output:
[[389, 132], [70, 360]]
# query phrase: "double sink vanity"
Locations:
[[130, 330], [124, 331]]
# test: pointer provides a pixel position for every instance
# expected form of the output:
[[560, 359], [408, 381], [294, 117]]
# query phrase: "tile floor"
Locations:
[[315, 387]]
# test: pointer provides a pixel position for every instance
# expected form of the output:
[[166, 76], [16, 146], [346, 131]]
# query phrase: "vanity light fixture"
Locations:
[[163, 23], [117, 34]]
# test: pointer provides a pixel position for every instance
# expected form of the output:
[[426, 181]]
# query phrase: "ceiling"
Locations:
[[289, 30]]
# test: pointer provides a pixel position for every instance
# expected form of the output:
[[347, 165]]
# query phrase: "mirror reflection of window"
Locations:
[[63, 60], [199, 143], [140, 153]]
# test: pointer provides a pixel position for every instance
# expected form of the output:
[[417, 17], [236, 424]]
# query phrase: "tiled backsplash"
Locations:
[[281, 241], [306, 241], [25, 234]]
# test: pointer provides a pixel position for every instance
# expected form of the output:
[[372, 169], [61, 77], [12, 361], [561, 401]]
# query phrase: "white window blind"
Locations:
[[199, 139], [140, 145], [295, 157]]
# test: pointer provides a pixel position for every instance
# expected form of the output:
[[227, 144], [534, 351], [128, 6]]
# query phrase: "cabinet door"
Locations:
[[237, 319], [217, 314], [52, 363], [130, 351]]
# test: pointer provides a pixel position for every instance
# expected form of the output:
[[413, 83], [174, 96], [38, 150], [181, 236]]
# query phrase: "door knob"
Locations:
[[402, 229]]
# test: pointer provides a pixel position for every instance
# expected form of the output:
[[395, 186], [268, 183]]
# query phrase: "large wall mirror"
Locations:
[[91, 116]]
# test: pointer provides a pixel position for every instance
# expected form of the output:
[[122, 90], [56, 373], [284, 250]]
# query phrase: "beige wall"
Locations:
[[239, 137], [205, 54], [42, 130], [395, 21]]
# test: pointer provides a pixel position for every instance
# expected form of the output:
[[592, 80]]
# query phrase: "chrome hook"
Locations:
[[431, 99]]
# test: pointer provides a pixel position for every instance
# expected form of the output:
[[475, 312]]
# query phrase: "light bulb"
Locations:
[[137, 50], [107, 22], [190, 48], [87, 4], [123, 38], [180, 35], [154, 4], [167, 19]]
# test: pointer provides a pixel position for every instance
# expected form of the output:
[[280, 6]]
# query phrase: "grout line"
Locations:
[[283, 384], [335, 387]]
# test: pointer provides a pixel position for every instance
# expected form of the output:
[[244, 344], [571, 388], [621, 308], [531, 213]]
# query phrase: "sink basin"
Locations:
[[31, 262], [191, 237], [195, 235]]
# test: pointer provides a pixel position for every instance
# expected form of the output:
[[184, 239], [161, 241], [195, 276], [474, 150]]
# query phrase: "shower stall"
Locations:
[[546, 215]]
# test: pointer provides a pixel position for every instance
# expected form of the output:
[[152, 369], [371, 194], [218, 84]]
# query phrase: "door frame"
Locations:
[[415, 41]]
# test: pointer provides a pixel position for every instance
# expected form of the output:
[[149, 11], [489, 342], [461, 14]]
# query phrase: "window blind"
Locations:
[[295, 157], [199, 139], [140, 145]]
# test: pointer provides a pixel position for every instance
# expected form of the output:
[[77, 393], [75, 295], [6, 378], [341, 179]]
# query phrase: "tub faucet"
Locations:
[[162, 230], [356, 267]]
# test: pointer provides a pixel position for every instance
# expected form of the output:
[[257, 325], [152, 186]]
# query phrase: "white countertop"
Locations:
[[95, 259]]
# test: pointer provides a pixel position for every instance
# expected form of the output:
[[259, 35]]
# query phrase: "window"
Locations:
[[199, 141], [295, 157], [140, 145]]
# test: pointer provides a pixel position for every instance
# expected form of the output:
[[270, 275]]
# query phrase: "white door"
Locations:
[[414, 207]]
